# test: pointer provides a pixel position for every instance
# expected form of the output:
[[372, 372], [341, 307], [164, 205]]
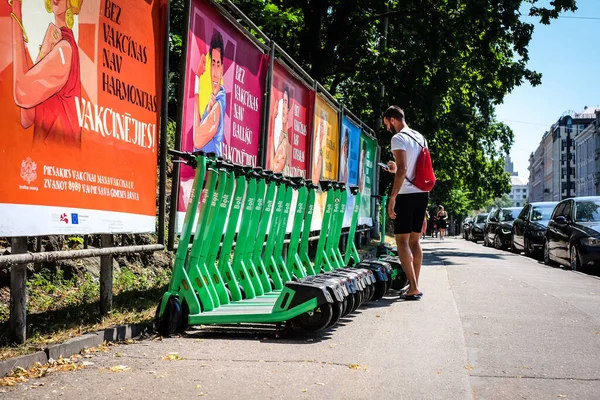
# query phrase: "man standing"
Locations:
[[209, 130], [407, 203]]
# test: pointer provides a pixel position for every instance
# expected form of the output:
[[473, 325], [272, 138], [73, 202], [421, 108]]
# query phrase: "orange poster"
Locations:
[[80, 95]]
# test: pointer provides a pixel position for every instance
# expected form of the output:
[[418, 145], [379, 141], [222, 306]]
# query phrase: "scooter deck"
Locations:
[[246, 311]]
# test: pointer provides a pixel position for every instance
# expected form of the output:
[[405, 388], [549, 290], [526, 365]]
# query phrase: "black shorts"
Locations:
[[410, 212]]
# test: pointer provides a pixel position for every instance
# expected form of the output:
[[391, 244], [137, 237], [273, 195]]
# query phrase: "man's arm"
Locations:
[[205, 130], [399, 176]]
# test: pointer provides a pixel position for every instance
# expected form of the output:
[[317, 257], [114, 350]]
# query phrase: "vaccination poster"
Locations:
[[223, 94], [325, 151], [349, 162], [80, 97], [290, 118], [366, 176]]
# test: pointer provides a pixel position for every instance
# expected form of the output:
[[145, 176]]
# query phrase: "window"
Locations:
[[524, 196], [512, 197], [567, 211], [517, 190], [524, 212], [518, 204], [558, 210]]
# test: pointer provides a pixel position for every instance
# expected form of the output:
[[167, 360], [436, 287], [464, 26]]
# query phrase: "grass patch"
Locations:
[[59, 308]]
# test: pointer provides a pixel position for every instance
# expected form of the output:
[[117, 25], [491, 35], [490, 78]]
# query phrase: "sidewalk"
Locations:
[[491, 325]]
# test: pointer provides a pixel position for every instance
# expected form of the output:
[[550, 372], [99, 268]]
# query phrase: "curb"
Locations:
[[72, 346]]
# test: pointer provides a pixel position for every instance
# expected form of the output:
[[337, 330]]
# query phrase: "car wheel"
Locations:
[[526, 246], [547, 259], [574, 257], [513, 248], [497, 242]]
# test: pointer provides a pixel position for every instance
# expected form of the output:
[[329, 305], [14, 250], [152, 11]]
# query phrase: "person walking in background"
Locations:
[[442, 217], [408, 204], [424, 228]]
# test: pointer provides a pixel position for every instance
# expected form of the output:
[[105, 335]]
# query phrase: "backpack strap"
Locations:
[[414, 138]]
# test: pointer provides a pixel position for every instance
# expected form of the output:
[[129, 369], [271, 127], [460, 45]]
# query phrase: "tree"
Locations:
[[448, 63]]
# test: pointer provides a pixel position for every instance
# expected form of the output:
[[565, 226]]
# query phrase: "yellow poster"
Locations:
[[325, 152], [325, 142]]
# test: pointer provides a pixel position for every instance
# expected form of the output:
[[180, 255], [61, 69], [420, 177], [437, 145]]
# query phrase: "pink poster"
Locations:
[[290, 120], [223, 94]]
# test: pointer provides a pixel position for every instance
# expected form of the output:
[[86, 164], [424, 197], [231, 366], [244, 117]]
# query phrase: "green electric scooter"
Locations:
[[197, 293]]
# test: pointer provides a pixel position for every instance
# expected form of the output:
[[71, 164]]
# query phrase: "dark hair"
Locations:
[[287, 90], [216, 43], [394, 112]]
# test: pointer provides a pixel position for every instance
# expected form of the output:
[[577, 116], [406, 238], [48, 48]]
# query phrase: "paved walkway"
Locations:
[[491, 325]]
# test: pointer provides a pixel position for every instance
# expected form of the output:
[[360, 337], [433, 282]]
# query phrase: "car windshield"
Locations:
[[510, 215], [481, 218], [587, 211], [542, 213]]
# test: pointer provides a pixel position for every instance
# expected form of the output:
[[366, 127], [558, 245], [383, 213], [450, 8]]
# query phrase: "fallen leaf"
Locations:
[[117, 354], [197, 386], [439, 372], [199, 340], [469, 367], [304, 390], [377, 316], [130, 341], [172, 357], [119, 368], [353, 366], [331, 346], [320, 384], [201, 394]]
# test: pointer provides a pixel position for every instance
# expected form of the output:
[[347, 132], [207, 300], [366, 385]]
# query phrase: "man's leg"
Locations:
[[406, 259], [417, 254]]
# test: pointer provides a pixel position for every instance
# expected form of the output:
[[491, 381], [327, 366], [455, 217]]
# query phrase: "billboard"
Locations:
[[80, 99], [325, 152], [349, 161], [290, 118], [223, 94], [366, 178]]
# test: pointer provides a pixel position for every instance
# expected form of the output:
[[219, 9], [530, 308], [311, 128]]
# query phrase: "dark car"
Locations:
[[475, 232], [498, 231], [529, 229], [573, 234], [465, 227]]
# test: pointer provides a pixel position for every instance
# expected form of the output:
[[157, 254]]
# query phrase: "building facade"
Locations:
[[565, 163], [518, 191], [536, 175]]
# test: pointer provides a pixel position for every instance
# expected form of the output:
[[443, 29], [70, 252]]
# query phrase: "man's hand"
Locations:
[[201, 65], [392, 168], [390, 208]]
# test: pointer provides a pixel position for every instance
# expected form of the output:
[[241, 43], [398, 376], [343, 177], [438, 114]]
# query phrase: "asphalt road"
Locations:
[[491, 325]]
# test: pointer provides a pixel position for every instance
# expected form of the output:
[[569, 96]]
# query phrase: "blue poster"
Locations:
[[349, 162], [349, 152]]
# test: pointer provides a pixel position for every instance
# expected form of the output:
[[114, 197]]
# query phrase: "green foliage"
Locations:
[[447, 63], [75, 242]]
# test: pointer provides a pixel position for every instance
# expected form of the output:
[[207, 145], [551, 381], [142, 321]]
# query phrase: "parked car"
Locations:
[[498, 230], [465, 227], [573, 233], [475, 232], [529, 229]]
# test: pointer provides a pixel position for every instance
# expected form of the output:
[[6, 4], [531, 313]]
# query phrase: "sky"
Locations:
[[566, 53]]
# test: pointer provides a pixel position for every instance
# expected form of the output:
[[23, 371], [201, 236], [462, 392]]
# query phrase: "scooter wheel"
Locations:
[[370, 293], [357, 300], [272, 282], [184, 322], [243, 292], [336, 314], [380, 289], [317, 319], [229, 294], [349, 301], [344, 306], [168, 323]]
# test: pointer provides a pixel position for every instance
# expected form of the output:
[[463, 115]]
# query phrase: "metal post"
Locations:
[[106, 276], [162, 156], [262, 148], [179, 128], [18, 293]]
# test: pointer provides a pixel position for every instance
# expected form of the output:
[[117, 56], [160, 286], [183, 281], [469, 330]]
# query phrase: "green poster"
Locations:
[[366, 178]]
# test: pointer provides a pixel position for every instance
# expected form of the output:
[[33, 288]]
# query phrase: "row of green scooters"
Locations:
[[256, 281]]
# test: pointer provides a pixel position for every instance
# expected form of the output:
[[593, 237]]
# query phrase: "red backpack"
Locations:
[[424, 176]]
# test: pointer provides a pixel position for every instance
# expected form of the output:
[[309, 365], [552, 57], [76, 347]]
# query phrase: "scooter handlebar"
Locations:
[[353, 189]]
